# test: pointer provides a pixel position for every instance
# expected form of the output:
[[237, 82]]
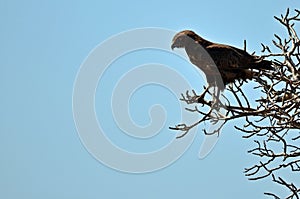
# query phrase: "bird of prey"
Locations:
[[229, 63]]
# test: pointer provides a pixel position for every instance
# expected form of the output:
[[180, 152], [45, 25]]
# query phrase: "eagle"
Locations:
[[227, 63]]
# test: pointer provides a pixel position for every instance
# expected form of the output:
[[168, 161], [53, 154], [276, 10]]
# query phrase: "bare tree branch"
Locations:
[[273, 121]]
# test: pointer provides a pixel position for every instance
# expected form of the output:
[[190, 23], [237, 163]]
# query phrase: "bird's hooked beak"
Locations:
[[177, 42], [173, 46]]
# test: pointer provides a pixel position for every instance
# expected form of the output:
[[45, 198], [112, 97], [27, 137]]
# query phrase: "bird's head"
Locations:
[[183, 38]]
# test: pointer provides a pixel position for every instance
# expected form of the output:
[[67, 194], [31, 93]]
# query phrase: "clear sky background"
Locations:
[[43, 44]]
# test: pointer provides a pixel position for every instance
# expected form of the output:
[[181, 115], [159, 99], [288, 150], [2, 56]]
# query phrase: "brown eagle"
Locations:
[[229, 63]]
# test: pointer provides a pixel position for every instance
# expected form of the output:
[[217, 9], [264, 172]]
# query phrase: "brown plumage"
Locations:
[[232, 63]]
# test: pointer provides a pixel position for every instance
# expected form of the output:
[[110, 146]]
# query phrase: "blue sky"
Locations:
[[43, 44]]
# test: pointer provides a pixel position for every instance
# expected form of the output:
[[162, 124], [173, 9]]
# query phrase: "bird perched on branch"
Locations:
[[222, 64]]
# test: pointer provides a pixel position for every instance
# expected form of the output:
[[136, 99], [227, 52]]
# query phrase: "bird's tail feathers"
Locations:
[[263, 65]]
